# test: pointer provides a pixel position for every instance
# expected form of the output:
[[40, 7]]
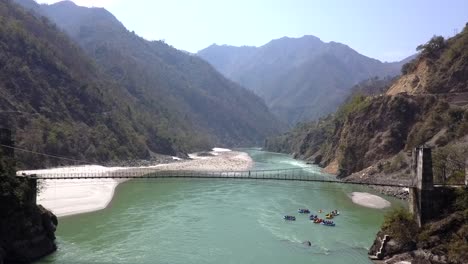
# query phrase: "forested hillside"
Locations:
[[54, 98], [375, 129], [161, 78], [300, 79], [60, 101]]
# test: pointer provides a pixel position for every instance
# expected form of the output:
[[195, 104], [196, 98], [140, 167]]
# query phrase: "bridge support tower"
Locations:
[[420, 198]]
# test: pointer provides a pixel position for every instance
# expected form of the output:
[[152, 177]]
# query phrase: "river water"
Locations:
[[221, 221]]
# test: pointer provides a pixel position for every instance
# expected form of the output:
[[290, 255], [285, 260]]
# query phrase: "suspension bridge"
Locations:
[[426, 197], [305, 174]]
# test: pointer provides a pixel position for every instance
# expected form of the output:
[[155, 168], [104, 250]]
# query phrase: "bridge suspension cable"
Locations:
[[48, 155]]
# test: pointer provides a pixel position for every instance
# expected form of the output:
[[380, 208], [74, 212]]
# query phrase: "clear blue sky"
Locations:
[[388, 30]]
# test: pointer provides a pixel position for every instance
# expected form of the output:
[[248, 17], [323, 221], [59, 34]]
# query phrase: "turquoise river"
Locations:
[[221, 221]]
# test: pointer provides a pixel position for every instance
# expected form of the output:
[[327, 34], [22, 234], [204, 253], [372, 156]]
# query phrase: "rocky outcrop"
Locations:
[[26, 229], [385, 246], [412, 83], [378, 129], [27, 234], [364, 132], [377, 249], [440, 242], [397, 192]]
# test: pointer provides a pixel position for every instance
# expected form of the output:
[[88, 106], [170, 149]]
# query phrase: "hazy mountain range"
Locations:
[[299, 78]]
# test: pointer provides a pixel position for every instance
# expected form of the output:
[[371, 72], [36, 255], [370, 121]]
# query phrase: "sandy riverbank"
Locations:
[[69, 197], [369, 200]]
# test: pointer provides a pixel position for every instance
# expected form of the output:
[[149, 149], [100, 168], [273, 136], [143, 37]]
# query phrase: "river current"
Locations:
[[221, 221]]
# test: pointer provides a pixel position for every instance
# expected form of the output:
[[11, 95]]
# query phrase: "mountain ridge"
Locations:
[[216, 45], [310, 77]]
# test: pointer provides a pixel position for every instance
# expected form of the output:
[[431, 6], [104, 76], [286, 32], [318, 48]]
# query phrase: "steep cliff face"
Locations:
[[26, 230], [361, 133], [377, 130], [369, 130], [27, 233]]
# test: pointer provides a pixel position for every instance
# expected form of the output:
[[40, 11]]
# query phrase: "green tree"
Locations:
[[399, 224], [433, 47]]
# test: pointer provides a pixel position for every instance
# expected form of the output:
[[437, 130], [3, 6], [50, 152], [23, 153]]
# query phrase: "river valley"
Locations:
[[222, 221]]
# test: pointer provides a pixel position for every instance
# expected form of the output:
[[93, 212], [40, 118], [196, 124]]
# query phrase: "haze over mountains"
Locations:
[[299, 78], [144, 96]]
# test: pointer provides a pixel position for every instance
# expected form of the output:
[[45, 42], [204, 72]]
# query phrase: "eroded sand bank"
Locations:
[[369, 200]]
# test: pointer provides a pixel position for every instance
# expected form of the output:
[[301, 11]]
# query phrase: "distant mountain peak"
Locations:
[[66, 3], [299, 78], [304, 37], [214, 45], [309, 39], [73, 6], [68, 15]]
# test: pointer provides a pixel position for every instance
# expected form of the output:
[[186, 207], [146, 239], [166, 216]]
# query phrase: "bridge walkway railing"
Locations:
[[308, 174]]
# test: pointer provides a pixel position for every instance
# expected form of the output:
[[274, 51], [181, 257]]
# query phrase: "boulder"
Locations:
[[28, 234], [394, 247]]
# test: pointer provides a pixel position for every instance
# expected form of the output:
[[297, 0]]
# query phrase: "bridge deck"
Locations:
[[293, 174]]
